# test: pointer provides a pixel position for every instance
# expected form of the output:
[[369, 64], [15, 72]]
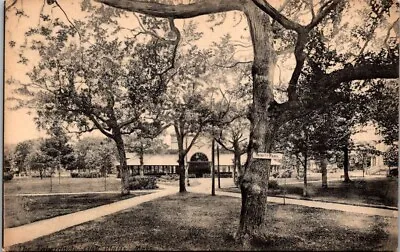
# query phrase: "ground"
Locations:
[[199, 222], [21, 210], [66, 185], [379, 191]]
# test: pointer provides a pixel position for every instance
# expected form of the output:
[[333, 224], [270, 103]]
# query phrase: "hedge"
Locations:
[[86, 174], [141, 183]]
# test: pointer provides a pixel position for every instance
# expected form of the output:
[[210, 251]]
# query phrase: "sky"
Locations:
[[20, 126]]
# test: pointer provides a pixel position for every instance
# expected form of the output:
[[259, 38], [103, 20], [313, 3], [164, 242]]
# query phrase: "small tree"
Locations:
[[141, 145], [57, 148]]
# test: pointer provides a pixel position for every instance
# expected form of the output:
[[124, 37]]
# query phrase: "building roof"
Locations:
[[172, 159]]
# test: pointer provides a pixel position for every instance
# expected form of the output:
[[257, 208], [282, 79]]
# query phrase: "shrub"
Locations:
[[7, 176], [273, 184], [140, 183], [285, 174], [275, 174], [170, 177], [92, 174]]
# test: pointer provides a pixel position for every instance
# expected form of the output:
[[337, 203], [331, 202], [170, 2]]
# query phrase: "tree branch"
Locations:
[[324, 10], [99, 127], [276, 15], [192, 142], [363, 71], [234, 64], [11, 5], [176, 44], [178, 11]]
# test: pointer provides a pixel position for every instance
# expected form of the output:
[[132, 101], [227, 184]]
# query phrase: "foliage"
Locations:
[[90, 174], [273, 184], [383, 99], [57, 148], [7, 176], [21, 153], [391, 156], [94, 154], [144, 145], [169, 177], [142, 183]]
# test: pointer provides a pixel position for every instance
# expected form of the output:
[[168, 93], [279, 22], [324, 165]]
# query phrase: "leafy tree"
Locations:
[[383, 100], [57, 149], [94, 154], [117, 94], [391, 156], [21, 153], [39, 161]]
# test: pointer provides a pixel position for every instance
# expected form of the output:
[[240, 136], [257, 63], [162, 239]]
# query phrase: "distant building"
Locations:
[[198, 159]]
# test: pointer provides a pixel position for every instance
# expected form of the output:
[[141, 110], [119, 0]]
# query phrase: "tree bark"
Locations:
[[346, 164], [236, 171], [254, 183], [305, 192], [324, 164], [122, 164], [218, 169], [213, 167], [141, 167]]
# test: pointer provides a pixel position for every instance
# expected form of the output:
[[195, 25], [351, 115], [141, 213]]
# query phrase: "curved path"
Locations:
[[205, 188]]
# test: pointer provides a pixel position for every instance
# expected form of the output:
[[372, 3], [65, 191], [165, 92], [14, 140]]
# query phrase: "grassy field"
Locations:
[[66, 185], [20, 210], [376, 191], [197, 222]]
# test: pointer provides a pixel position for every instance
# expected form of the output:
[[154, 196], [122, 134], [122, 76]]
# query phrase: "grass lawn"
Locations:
[[376, 191], [66, 185], [20, 210], [197, 222]]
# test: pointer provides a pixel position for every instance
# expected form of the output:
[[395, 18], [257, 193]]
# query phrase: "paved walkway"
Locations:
[[205, 188], [41, 228]]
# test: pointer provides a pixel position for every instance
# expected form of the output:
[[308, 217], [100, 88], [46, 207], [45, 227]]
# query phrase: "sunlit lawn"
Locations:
[[65, 185], [20, 210], [198, 222]]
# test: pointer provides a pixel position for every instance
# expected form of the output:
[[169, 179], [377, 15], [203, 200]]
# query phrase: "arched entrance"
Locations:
[[199, 165]]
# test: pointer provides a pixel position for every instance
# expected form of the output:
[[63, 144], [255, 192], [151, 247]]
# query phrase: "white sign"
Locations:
[[273, 156]]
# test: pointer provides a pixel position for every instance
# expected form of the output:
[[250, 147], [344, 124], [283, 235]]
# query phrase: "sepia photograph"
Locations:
[[211, 125]]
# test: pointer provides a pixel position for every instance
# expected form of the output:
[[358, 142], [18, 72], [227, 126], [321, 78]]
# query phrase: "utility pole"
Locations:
[[219, 174], [213, 168]]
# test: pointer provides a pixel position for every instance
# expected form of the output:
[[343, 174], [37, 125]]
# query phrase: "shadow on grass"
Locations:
[[377, 191], [197, 222]]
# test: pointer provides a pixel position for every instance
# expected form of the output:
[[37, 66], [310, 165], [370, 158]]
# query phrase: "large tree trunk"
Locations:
[[346, 164], [254, 184], [123, 165]]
